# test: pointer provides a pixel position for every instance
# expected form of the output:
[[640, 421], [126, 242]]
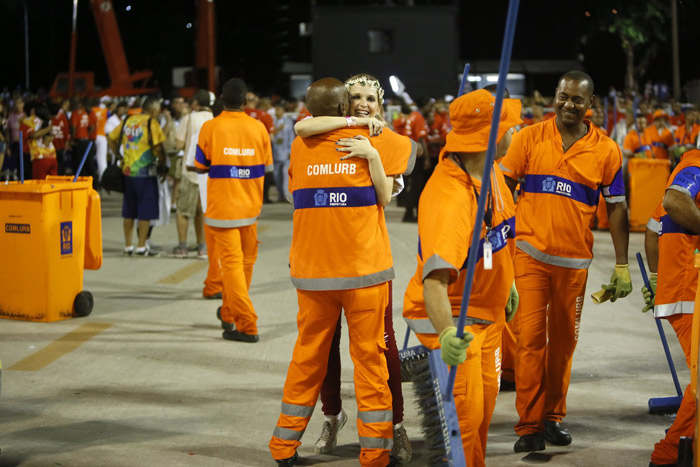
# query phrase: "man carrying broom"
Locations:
[[447, 210]]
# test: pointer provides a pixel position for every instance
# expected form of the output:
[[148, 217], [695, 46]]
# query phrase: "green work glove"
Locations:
[[620, 283], [454, 349], [649, 294], [512, 305]]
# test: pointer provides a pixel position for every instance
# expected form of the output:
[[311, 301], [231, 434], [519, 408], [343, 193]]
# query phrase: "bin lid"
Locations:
[[49, 185]]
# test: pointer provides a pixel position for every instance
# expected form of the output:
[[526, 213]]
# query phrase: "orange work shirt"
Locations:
[[446, 214], [413, 126], [339, 238], [660, 142], [80, 122], [99, 116], [236, 150], [262, 116], [632, 144], [683, 136], [677, 276], [560, 191]]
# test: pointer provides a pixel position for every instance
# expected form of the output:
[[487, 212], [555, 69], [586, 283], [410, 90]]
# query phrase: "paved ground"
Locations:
[[146, 379]]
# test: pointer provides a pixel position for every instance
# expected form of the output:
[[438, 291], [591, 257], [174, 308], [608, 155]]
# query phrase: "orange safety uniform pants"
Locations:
[[476, 386], [316, 321], [237, 250], [213, 284], [546, 327], [508, 349], [666, 450]]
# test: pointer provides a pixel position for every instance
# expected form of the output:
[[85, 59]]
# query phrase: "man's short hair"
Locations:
[[326, 97], [492, 89], [201, 97], [234, 92], [148, 103], [580, 76], [122, 104]]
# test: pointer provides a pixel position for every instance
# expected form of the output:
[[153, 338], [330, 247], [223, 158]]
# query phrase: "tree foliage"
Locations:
[[641, 26]]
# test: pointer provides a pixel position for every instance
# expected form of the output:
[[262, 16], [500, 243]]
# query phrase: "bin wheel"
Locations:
[[83, 303]]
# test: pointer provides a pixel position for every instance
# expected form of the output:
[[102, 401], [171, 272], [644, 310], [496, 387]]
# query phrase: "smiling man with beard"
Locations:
[[563, 165]]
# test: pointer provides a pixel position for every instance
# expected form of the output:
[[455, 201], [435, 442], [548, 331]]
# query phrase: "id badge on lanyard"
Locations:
[[488, 253]]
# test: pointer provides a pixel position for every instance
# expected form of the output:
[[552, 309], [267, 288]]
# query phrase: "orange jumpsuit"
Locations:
[[633, 144], [236, 150], [683, 136], [340, 259], [447, 210], [559, 196], [675, 292]]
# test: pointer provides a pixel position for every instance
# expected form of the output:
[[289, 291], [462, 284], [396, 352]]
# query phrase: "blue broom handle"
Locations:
[[82, 162], [21, 158], [463, 84], [486, 178], [664, 342]]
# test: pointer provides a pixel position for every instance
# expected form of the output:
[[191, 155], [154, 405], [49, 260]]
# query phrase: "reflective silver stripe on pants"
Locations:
[[287, 434], [424, 326], [571, 263], [376, 416], [230, 223], [376, 443], [294, 410], [670, 309], [344, 283]]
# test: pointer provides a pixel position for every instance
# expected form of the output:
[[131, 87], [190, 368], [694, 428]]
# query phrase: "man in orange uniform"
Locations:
[[633, 146], [659, 135], [340, 259], [433, 298], [98, 114], [686, 136], [563, 164], [235, 150], [673, 235]]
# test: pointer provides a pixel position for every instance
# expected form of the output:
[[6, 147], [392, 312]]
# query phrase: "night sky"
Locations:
[[255, 37]]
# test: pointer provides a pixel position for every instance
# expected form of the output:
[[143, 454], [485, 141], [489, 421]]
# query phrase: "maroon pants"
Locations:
[[330, 391]]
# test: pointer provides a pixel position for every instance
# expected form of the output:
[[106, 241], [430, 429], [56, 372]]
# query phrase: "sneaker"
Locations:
[[288, 462], [240, 336], [145, 251], [202, 253], [153, 247], [402, 450], [180, 252], [329, 433], [128, 250], [225, 325]]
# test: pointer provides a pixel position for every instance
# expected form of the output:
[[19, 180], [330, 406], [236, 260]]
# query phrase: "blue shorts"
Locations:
[[140, 198]]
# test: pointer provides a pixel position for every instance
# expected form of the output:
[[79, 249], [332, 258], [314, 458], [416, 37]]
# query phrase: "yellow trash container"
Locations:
[[42, 244], [647, 181]]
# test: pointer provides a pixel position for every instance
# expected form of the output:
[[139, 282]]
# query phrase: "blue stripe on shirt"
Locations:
[[237, 171], [688, 179], [669, 226], [550, 184], [201, 158], [341, 197]]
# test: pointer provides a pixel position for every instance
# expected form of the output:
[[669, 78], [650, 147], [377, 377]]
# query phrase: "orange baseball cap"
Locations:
[[471, 114], [658, 113]]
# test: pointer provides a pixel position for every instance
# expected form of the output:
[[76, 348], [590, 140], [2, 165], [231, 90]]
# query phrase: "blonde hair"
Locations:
[[365, 79]]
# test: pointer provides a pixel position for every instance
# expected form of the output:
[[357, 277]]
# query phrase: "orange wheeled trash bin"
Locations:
[[42, 243]]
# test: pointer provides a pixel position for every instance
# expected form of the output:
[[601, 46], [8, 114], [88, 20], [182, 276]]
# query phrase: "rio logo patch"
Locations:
[[66, 238]]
